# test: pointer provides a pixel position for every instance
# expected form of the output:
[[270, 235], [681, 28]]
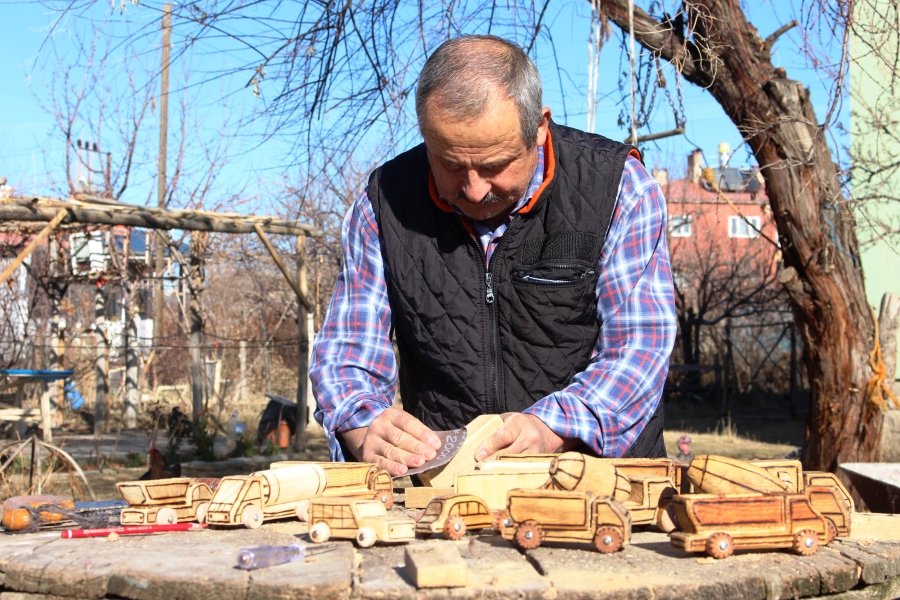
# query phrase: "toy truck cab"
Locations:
[[720, 524], [536, 516], [366, 521], [453, 515], [648, 498]]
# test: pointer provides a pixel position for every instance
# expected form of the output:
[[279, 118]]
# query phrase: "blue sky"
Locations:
[[29, 147]]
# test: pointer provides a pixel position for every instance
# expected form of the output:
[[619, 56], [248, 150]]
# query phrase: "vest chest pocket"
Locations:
[[552, 275]]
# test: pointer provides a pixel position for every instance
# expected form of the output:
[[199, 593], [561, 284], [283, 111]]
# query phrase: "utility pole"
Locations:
[[195, 284], [100, 360], [303, 346], [160, 259]]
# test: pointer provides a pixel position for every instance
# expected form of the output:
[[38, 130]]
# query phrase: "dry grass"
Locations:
[[725, 440]]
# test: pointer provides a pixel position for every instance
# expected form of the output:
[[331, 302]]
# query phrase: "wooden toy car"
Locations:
[[453, 515], [286, 489], [366, 521], [533, 517], [166, 501], [721, 524]]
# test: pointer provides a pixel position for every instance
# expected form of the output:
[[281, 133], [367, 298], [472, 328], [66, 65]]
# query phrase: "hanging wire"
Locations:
[[595, 43], [631, 64]]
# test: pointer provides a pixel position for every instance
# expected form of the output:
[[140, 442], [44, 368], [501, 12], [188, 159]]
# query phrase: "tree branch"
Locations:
[[770, 41]]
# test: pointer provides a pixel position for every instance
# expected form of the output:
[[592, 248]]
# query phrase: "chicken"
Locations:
[[159, 469]]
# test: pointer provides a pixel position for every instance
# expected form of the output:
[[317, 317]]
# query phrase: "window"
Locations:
[[680, 225], [738, 227]]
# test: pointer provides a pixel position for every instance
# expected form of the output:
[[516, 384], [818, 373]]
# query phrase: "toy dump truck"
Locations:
[[365, 521], [533, 517], [286, 489], [836, 507], [721, 524], [166, 501]]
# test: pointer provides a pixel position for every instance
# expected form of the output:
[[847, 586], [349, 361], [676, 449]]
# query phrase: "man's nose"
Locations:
[[475, 187]]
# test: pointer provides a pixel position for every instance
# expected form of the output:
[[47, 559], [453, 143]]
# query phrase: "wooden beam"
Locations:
[[155, 219], [56, 220], [280, 263]]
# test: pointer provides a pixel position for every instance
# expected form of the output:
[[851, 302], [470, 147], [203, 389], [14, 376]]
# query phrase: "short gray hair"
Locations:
[[459, 69]]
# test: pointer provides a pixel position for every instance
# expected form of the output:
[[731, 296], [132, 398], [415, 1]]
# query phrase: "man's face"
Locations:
[[482, 166]]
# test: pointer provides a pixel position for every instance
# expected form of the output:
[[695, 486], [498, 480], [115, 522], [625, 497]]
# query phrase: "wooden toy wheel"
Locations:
[[166, 516], [200, 513], [454, 527], [806, 542], [720, 545], [529, 535], [365, 537], [320, 532], [608, 540], [303, 511], [386, 497], [252, 517], [831, 529], [666, 519], [497, 521]]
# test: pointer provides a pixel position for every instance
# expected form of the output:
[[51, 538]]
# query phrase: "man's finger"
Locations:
[[502, 438], [416, 428], [399, 457], [399, 438]]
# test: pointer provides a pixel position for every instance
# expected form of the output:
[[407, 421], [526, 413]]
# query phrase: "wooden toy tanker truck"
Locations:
[[286, 489], [166, 501], [533, 517], [719, 524]]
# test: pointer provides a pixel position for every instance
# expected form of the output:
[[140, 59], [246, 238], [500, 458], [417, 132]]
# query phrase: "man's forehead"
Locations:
[[493, 136]]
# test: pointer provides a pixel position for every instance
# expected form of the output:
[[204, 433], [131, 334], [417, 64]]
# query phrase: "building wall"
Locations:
[[875, 145]]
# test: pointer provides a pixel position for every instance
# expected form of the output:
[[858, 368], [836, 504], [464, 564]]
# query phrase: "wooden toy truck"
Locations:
[[286, 489], [165, 501], [721, 524], [366, 521], [533, 517]]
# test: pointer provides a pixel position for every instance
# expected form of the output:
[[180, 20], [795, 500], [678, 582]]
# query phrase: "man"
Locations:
[[523, 268], [684, 450]]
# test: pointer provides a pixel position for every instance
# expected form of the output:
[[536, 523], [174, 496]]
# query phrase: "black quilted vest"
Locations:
[[473, 341]]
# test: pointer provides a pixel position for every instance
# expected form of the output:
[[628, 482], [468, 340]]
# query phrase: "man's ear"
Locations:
[[543, 126]]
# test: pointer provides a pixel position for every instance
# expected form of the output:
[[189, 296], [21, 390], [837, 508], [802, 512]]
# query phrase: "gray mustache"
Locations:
[[489, 198]]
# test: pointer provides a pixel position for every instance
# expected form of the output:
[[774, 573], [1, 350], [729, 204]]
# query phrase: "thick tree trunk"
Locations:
[[822, 273]]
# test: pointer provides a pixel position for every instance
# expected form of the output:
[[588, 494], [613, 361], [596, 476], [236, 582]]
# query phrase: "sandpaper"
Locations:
[[451, 442]]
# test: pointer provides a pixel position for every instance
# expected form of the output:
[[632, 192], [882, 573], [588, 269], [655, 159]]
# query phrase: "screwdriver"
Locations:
[[269, 556]]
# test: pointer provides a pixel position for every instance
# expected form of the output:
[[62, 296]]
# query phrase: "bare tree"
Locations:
[[330, 72]]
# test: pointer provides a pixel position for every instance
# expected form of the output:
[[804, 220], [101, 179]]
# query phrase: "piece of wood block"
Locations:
[[419, 497], [479, 430], [875, 526], [723, 475], [435, 565], [493, 485]]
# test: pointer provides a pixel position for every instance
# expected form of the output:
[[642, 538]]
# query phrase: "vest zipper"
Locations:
[[492, 323]]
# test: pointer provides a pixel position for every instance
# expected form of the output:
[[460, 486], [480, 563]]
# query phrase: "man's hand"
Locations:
[[523, 433], [395, 441]]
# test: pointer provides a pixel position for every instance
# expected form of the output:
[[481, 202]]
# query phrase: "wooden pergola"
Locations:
[[92, 210]]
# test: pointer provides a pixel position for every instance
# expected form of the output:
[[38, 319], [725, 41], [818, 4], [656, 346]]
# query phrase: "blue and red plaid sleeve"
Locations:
[[607, 405], [354, 372]]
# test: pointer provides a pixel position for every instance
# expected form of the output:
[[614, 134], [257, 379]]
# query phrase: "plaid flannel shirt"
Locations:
[[354, 371]]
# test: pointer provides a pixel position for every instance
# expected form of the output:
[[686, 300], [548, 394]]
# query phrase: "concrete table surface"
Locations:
[[201, 565]]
